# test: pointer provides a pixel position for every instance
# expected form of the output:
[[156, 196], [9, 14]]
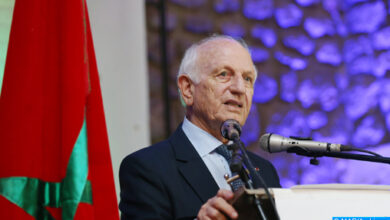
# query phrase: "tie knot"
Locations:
[[225, 152]]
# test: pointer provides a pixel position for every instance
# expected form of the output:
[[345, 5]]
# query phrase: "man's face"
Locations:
[[225, 89]]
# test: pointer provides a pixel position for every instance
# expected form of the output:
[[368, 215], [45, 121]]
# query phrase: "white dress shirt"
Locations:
[[205, 144]]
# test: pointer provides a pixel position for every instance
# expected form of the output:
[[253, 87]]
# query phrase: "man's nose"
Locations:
[[238, 85]]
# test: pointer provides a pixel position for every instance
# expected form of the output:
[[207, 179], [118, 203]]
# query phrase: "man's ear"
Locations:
[[186, 89]]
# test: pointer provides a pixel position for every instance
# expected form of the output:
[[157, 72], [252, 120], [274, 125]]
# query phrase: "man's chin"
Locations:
[[234, 117]]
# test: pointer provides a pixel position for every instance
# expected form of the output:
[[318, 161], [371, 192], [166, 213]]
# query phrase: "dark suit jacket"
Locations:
[[169, 180]]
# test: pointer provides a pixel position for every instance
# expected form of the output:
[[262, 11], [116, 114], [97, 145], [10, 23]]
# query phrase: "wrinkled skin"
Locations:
[[218, 207], [224, 91], [225, 88]]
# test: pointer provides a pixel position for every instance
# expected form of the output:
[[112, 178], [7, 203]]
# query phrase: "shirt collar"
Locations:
[[203, 142]]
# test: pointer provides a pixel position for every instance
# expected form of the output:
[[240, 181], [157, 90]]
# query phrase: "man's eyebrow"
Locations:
[[249, 72], [217, 69], [227, 67]]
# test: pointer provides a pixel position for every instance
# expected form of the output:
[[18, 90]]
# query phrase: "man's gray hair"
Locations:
[[188, 63]]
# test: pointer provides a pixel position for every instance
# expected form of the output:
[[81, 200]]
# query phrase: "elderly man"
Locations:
[[183, 176]]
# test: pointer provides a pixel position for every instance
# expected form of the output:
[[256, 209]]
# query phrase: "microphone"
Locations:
[[276, 143], [231, 129]]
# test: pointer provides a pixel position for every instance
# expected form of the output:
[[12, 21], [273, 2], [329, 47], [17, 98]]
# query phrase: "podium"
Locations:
[[319, 202]]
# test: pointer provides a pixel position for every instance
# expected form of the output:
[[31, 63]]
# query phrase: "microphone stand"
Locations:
[[236, 166], [314, 155], [231, 130], [240, 158]]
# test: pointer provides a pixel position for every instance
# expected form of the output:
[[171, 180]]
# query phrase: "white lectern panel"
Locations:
[[323, 202]]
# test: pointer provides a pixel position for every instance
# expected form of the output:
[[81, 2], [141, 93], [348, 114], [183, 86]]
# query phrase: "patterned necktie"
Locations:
[[227, 154]]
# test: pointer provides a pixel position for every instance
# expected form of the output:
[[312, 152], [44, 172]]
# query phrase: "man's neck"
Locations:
[[204, 126]]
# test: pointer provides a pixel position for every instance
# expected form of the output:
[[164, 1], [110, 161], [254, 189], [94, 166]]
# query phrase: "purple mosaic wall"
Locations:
[[323, 68]]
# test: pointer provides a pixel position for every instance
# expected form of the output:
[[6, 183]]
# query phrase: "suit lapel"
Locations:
[[192, 167]]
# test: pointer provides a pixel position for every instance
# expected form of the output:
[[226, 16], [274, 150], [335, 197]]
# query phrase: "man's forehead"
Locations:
[[210, 51], [216, 45]]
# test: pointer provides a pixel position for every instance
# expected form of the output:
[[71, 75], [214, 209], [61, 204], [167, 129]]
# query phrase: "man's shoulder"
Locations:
[[159, 153], [256, 157], [266, 169], [151, 153], [152, 160]]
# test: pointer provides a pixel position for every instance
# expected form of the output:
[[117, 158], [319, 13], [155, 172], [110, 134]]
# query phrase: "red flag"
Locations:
[[54, 155]]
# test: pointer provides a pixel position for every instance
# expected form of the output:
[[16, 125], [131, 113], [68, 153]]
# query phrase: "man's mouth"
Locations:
[[233, 103]]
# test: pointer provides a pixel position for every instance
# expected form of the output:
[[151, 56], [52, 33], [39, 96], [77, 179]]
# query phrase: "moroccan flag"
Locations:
[[54, 154]]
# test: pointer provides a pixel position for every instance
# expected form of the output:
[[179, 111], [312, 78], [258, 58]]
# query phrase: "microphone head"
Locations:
[[264, 142], [231, 129]]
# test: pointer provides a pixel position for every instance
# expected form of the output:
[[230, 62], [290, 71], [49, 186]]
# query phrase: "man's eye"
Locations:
[[249, 79], [223, 73]]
